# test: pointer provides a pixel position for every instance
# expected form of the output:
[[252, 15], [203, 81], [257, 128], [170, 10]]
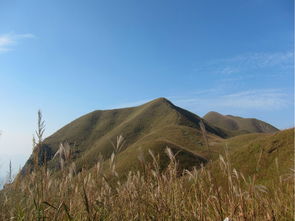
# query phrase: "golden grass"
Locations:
[[148, 195], [152, 193]]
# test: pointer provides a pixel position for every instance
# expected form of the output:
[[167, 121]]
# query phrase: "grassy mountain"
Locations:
[[245, 177], [238, 125], [153, 125]]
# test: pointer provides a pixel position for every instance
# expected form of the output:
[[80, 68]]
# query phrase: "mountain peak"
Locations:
[[158, 120], [213, 113], [161, 100]]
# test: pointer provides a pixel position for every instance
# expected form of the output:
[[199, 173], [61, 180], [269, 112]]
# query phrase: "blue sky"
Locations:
[[71, 57]]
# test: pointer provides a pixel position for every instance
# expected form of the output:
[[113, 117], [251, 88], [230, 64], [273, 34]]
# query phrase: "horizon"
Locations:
[[68, 59]]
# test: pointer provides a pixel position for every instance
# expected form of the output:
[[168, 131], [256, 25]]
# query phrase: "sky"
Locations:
[[68, 58]]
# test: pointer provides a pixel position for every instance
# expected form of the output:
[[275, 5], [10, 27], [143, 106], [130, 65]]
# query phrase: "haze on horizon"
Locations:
[[67, 59]]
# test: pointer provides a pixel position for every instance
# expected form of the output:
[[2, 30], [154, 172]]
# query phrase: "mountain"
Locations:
[[238, 125], [154, 125], [252, 169]]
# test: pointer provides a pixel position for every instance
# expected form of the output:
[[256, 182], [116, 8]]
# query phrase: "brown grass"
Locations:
[[191, 195], [150, 194]]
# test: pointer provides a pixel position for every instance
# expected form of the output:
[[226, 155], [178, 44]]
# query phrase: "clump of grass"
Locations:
[[118, 145], [64, 153], [37, 144]]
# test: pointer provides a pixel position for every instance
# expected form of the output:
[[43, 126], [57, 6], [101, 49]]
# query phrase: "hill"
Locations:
[[237, 125], [247, 176], [153, 125]]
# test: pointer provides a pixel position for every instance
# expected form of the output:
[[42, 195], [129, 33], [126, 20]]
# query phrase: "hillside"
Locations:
[[238, 125], [249, 174], [153, 125], [264, 155], [272, 153]]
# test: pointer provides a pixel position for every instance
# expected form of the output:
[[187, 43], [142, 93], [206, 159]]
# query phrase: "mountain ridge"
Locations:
[[153, 125], [239, 124], [158, 120]]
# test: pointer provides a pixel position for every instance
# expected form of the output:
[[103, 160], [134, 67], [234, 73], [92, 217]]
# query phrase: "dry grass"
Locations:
[[193, 195], [150, 194]]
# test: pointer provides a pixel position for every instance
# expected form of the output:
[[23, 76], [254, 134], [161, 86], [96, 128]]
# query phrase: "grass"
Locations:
[[152, 195], [275, 153], [165, 169]]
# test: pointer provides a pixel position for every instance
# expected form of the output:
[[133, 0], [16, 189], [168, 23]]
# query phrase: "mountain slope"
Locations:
[[154, 125], [244, 172], [265, 155], [238, 125]]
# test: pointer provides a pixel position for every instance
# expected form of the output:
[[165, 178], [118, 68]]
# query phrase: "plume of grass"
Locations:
[[118, 145], [64, 153]]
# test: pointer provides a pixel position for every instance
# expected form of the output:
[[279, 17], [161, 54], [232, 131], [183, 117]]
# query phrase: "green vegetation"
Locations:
[[154, 124], [238, 125], [153, 162], [273, 154]]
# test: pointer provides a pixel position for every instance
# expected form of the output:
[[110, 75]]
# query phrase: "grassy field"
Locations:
[[167, 165], [150, 194]]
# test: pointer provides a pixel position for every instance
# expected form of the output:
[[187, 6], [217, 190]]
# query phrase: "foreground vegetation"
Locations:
[[147, 195]]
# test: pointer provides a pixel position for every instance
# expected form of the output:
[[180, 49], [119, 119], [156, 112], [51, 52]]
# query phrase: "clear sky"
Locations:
[[68, 58]]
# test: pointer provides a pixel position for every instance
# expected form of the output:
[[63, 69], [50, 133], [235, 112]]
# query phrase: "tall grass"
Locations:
[[195, 195], [200, 194]]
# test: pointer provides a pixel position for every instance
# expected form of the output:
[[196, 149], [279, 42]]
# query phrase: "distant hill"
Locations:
[[238, 125], [154, 125]]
